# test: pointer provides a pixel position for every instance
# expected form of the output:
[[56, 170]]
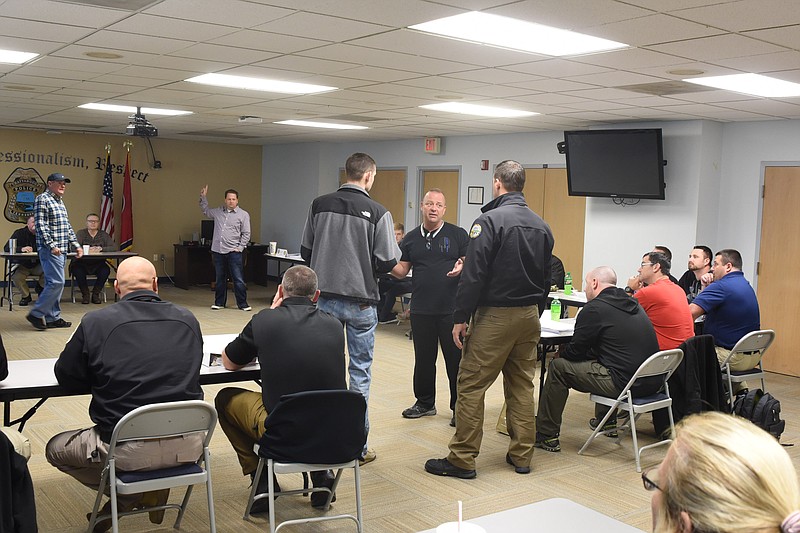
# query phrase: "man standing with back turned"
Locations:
[[348, 240], [231, 235], [54, 235], [504, 284]]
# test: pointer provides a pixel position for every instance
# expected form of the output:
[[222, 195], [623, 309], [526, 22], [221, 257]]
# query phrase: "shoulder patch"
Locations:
[[475, 231], [366, 213]]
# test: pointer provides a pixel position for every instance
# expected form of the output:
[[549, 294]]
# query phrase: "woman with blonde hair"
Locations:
[[724, 474]]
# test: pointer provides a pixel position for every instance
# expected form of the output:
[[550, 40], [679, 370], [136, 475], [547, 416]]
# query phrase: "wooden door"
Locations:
[[778, 295], [389, 190], [534, 189], [447, 181], [547, 195], [567, 218]]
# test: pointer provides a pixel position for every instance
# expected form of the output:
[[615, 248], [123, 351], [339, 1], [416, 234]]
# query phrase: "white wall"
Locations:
[[746, 146], [712, 178]]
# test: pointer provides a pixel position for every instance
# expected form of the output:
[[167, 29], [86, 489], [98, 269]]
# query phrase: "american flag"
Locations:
[[107, 200]]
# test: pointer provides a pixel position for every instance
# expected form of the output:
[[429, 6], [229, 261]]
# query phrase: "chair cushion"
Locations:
[[144, 475], [752, 371], [650, 399]]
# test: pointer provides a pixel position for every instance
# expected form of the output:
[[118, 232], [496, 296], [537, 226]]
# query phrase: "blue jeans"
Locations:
[[360, 321], [224, 265], [49, 303]]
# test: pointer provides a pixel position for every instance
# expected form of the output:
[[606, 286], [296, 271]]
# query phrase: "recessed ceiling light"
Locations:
[[16, 58], [330, 125], [132, 109], [103, 55], [686, 72], [14, 87], [259, 84], [516, 34], [753, 84], [479, 110]]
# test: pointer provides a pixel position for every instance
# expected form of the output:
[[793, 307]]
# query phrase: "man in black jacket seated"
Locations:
[[612, 338], [26, 243], [299, 348], [139, 351]]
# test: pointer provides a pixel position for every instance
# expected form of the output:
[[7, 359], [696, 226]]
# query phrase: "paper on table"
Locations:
[[212, 348], [556, 326]]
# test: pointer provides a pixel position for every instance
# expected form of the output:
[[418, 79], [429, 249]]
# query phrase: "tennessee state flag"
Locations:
[[126, 220]]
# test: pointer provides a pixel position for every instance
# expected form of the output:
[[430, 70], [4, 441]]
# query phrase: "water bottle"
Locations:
[[568, 283], [555, 309]]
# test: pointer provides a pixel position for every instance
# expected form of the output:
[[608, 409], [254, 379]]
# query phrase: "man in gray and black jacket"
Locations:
[[348, 241]]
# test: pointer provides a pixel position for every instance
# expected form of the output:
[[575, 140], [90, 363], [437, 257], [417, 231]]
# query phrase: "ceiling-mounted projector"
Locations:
[[139, 126]]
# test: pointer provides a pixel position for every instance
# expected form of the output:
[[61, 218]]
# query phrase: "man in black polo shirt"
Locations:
[[299, 348], [435, 250]]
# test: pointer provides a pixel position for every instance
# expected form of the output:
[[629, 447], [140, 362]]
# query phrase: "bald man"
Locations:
[[139, 351], [613, 337]]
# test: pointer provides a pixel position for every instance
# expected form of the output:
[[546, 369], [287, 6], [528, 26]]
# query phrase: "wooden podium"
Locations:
[[194, 266]]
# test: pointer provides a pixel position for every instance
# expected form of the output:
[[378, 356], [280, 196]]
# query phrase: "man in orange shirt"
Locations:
[[663, 301]]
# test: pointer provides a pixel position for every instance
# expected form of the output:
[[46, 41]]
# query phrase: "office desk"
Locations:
[[290, 260], [556, 514], [193, 265], [35, 379]]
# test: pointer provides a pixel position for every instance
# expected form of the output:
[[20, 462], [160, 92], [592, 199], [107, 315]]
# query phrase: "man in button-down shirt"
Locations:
[[231, 235], [54, 236]]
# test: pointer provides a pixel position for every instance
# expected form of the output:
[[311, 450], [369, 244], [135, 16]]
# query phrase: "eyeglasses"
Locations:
[[92, 221], [645, 264], [648, 483]]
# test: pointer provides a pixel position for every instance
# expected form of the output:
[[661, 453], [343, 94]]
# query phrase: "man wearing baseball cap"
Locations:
[[54, 235]]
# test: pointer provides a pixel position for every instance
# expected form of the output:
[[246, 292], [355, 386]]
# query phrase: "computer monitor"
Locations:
[[207, 230]]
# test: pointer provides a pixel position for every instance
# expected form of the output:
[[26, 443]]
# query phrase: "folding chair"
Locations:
[[755, 342], [312, 431], [661, 364], [156, 421]]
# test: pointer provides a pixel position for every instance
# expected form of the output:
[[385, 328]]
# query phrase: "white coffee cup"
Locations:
[[283, 252], [273, 247], [85, 249]]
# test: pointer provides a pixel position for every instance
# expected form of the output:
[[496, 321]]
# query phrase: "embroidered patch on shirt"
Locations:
[[365, 213], [475, 231]]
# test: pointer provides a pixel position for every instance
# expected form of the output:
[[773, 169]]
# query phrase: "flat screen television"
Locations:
[[615, 163]]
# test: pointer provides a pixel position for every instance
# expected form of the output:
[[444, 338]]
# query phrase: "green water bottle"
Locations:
[[555, 309], [568, 283]]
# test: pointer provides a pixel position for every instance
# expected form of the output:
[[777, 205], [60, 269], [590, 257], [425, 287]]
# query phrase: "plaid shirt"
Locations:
[[52, 224]]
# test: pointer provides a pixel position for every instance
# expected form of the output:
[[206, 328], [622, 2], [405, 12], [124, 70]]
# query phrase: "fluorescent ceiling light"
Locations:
[[753, 84], [479, 110], [330, 125], [259, 84], [132, 109], [17, 58], [516, 34]]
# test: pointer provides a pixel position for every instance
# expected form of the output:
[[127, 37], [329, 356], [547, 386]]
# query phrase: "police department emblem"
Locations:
[[22, 187], [475, 231]]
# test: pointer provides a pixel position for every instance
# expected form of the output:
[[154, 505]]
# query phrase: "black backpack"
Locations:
[[762, 409]]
